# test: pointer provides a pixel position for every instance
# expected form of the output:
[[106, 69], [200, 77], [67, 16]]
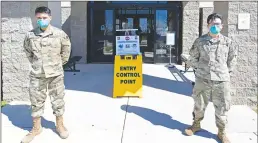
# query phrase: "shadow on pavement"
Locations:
[[99, 79], [179, 87], [90, 82], [95, 78], [162, 119], [20, 116]]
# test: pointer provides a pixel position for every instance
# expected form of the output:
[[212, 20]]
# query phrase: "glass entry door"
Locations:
[[102, 36], [146, 38], [166, 20], [153, 22]]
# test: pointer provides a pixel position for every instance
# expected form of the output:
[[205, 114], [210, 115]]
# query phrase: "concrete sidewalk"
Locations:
[[93, 116]]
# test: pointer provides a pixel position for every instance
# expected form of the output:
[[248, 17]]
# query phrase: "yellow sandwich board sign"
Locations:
[[127, 76]]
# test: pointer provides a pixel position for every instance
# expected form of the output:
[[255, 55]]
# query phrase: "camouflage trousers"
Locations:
[[39, 87], [216, 91]]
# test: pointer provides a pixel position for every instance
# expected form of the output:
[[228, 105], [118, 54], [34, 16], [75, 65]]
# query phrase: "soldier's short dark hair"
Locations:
[[213, 16], [43, 9]]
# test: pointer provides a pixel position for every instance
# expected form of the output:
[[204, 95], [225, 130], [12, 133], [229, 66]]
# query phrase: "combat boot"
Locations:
[[222, 136], [60, 128], [196, 126], [36, 130]]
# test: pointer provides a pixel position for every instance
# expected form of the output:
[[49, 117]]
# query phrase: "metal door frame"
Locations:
[[93, 38], [177, 6], [178, 34]]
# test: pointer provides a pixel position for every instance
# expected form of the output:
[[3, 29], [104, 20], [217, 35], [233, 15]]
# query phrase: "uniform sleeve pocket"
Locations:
[[35, 45]]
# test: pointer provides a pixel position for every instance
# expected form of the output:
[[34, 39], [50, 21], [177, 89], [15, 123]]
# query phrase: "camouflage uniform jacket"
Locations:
[[47, 51], [213, 58]]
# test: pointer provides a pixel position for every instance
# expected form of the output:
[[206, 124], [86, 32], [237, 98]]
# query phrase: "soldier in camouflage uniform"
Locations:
[[48, 49], [213, 57]]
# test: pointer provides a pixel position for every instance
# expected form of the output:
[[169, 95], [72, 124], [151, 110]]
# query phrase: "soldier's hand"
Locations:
[[187, 66]]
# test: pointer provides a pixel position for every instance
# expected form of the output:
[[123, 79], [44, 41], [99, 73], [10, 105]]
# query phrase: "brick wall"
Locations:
[[206, 13], [66, 19], [244, 83], [190, 24], [78, 25], [17, 19], [221, 7]]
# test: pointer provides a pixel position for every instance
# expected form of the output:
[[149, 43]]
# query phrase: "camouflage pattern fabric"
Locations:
[[47, 51], [216, 91], [213, 61], [38, 94]]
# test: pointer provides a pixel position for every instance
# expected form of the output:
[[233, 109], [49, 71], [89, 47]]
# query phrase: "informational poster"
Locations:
[[244, 21], [128, 76], [170, 39], [127, 45]]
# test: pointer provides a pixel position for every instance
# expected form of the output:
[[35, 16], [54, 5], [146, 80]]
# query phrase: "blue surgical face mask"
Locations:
[[43, 23], [214, 29]]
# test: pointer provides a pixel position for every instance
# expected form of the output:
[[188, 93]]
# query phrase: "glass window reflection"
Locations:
[[130, 23], [109, 22], [165, 22], [103, 22], [143, 25], [161, 22]]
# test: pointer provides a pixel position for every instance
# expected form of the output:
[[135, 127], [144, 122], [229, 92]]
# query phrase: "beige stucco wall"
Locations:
[[78, 27], [244, 83], [17, 19]]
